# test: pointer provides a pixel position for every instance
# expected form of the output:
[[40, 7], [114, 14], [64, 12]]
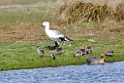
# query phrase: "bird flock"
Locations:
[[53, 53], [78, 54], [58, 37]]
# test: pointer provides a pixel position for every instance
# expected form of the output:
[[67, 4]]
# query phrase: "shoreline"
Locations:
[[54, 66], [21, 32], [24, 55]]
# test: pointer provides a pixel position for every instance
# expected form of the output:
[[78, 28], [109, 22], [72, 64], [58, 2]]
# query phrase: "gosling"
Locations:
[[79, 52], [52, 54], [40, 51], [109, 53], [90, 49], [59, 50]]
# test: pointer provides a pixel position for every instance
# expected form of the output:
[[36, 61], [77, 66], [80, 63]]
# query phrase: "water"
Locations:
[[108, 73]]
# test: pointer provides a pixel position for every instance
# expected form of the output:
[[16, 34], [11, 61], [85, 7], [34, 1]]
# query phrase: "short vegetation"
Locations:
[[87, 23]]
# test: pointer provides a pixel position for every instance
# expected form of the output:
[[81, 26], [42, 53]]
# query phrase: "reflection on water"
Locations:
[[108, 73]]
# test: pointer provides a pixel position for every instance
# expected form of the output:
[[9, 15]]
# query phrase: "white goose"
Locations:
[[55, 35]]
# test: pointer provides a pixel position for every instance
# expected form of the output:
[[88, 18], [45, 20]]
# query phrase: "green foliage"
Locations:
[[28, 11]]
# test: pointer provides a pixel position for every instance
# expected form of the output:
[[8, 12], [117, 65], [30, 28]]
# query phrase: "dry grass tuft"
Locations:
[[80, 10], [86, 11], [119, 12]]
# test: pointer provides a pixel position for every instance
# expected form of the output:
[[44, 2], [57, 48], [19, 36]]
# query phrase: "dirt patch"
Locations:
[[33, 32]]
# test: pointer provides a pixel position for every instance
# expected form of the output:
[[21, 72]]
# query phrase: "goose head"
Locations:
[[102, 59], [102, 55], [45, 23]]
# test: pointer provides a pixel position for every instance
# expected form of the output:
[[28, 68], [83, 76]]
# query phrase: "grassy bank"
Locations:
[[21, 55], [21, 32]]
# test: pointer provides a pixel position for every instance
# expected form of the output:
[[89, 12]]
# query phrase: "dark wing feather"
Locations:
[[63, 37]]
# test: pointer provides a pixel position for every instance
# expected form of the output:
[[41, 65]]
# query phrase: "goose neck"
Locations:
[[47, 27]]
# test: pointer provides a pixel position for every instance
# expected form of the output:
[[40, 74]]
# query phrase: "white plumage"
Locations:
[[55, 35]]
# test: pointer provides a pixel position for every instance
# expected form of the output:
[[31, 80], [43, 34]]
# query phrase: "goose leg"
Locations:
[[57, 44]]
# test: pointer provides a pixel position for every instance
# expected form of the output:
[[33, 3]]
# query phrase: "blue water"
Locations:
[[107, 73]]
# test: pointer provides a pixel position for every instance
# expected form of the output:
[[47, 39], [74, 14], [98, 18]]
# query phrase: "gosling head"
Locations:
[[38, 47]]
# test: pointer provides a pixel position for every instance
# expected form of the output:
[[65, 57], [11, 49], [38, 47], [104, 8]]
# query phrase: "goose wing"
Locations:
[[90, 59], [61, 36]]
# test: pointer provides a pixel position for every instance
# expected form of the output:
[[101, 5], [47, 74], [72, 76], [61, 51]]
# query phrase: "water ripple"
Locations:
[[108, 73]]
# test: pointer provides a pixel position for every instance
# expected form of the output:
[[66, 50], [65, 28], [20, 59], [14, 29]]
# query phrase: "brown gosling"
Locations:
[[109, 53], [59, 50], [52, 54], [40, 51], [90, 49], [79, 52], [84, 51], [94, 60]]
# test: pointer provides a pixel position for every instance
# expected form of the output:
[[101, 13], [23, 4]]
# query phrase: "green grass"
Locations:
[[15, 16], [21, 55], [24, 1], [21, 32]]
